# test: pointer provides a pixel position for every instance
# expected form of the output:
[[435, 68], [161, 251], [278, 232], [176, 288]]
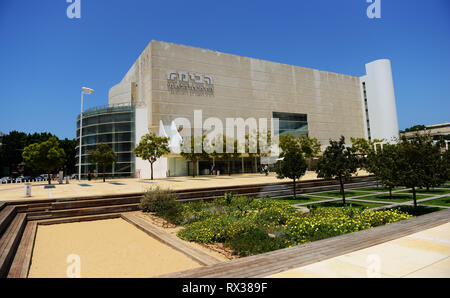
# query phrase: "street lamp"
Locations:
[[84, 90]]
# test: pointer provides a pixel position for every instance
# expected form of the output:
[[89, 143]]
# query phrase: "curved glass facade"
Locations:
[[114, 126]]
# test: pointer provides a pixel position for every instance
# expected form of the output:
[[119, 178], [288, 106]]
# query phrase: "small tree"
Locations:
[[262, 145], [188, 151], [293, 164], [362, 148], [338, 162], [104, 156], [229, 156], [46, 156], [151, 147], [224, 155], [384, 165], [414, 162], [310, 147], [446, 165], [434, 164]]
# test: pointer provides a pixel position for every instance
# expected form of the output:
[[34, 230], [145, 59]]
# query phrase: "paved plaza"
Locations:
[[97, 187], [424, 254]]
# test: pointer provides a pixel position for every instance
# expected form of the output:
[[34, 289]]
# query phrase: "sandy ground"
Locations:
[[216, 250], [106, 248], [14, 191]]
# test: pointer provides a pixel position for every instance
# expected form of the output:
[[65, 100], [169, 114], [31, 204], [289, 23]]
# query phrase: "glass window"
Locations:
[[123, 127], [292, 123], [122, 117]]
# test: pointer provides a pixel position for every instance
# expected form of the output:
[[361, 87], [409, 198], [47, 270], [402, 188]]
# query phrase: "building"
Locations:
[[441, 129], [170, 81]]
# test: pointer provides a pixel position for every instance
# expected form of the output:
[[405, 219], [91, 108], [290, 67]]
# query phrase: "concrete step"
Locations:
[[95, 203], [83, 211]]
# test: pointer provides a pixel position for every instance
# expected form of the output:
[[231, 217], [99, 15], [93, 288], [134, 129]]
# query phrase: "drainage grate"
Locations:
[[84, 185]]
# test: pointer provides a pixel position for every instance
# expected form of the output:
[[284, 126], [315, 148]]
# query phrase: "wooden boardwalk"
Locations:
[[270, 263], [22, 260]]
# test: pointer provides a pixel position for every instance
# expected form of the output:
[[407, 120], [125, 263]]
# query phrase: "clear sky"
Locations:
[[45, 57]]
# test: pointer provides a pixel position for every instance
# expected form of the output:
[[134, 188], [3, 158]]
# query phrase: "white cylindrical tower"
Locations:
[[379, 101]]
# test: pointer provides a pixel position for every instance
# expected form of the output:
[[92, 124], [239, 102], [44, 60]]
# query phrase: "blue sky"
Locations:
[[45, 57]]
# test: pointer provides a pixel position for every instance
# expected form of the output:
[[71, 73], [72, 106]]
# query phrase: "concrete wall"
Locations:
[[381, 100], [246, 87]]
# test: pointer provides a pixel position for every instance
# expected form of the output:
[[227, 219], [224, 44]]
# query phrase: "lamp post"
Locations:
[[84, 90]]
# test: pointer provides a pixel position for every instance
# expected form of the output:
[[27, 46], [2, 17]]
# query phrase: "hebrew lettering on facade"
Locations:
[[172, 75], [208, 79], [183, 76], [196, 77]]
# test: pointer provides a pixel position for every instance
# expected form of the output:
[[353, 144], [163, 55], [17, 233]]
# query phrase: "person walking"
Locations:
[[266, 170], [95, 175], [89, 175]]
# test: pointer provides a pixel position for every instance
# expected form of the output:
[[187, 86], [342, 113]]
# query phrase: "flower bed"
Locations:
[[251, 226]]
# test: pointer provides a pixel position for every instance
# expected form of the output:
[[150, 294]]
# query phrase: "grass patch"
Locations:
[[298, 200], [337, 194], [431, 191], [351, 204], [396, 198], [420, 210], [439, 202], [379, 189]]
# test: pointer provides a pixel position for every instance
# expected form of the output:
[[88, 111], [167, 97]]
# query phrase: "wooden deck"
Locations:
[[9, 241], [22, 259], [270, 263]]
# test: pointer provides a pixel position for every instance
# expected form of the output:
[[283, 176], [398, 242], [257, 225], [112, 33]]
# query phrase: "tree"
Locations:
[[293, 164], [446, 165], [412, 163], [310, 147], [69, 147], [188, 150], [338, 162], [104, 156], [434, 168], [415, 128], [362, 148], [383, 163], [229, 156], [151, 147], [262, 145], [46, 156], [421, 163], [12, 149]]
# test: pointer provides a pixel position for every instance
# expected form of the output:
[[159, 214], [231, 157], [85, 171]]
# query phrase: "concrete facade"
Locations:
[[242, 87]]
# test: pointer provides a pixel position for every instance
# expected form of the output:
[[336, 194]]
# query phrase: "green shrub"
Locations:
[[275, 215], [243, 223], [329, 222], [158, 199], [255, 241], [217, 229], [162, 202]]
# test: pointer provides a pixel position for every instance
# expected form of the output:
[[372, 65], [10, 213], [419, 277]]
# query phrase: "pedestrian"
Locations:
[[266, 170], [95, 175], [89, 175]]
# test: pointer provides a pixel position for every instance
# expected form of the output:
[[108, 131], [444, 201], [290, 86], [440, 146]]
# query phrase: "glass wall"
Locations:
[[114, 126], [292, 123]]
